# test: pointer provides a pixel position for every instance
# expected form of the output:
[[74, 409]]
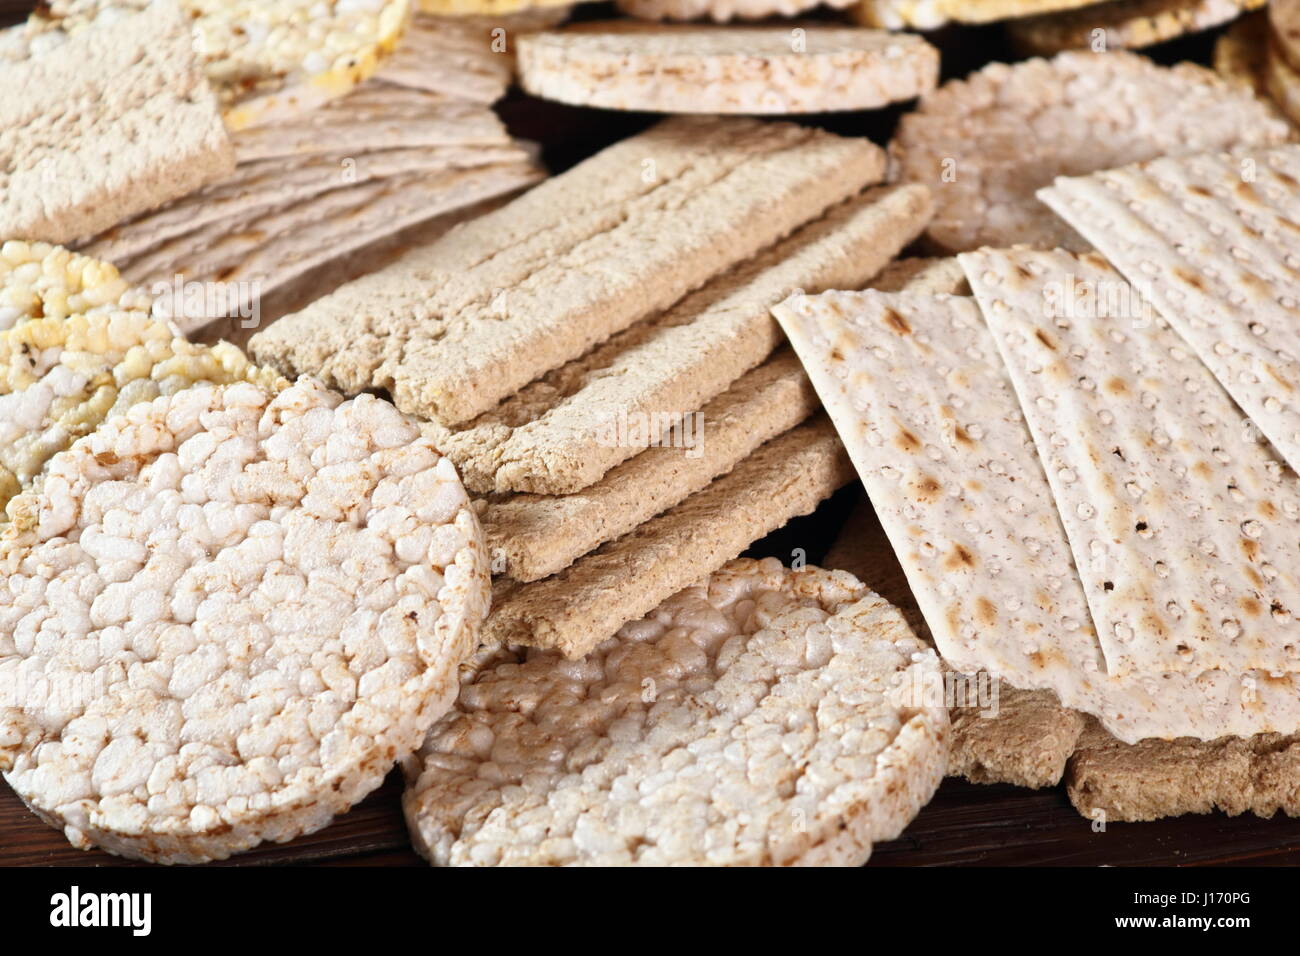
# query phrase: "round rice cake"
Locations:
[[39, 280], [266, 60], [721, 11], [932, 14], [236, 611], [737, 69], [61, 377], [986, 144], [765, 716], [1123, 24]]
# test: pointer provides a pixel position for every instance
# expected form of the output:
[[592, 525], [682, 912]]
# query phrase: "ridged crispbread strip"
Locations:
[[929, 14], [454, 327], [1216, 253], [760, 717], [543, 439], [538, 535], [1083, 112], [115, 121], [722, 10], [1155, 779], [922, 277], [1182, 522], [282, 245], [1284, 24], [1123, 24], [451, 57], [588, 601], [922, 401], [663, 68]]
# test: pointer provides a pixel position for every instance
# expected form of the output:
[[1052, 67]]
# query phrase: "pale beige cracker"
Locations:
[[1182, 522], [578, 608], [984, 144], [115, 121], [733, 69], [1113, 782], [761, 717], [1123, 24], [921, 398], [454, 327], [281, 246], [931, 14], [1281, 82], [544, 438], [1284, 30], [533, 536], [1214, 242], [722, 11]]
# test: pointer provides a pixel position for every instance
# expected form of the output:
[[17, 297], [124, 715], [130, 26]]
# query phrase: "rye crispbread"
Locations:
[[581, 606], [1182, 522], [922, 400], [721, 11], [1123, 24], [761, 717], [662, 68], [533, 536], [116, 120], [1231, 294], [1083, 112], [922, 277], [456, 326], [543, 439]]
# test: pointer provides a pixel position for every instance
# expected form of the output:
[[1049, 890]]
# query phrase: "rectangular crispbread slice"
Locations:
[[538, 535], [922, 277], [1214, 243], [1115, 782], [1184, 525], [452, 328], [459, 58], [280, 246], [543, 439], [116, 120], [590, 600], [921, 398]]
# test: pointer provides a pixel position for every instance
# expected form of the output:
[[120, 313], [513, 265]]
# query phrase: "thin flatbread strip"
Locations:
[[1115, 782], [1082, 112], [923, 402], [543, 439], [533, 536], [1281, 82], [931, 14], [41, 281], [1123, 24], [721, 11], [1182, 522], [115, 121], [752, 719], [270, 184], [281, 247], [458, 58], [1214, 242], [454, 327], [590, 600], [627, 65]]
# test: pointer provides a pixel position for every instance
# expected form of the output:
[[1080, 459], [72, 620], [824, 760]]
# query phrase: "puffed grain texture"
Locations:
[[761, 717], [722, 11], [930, 14], [1123, 24], [43, 281]]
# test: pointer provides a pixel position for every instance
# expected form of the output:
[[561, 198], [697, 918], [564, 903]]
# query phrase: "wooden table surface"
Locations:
[[965, 824]]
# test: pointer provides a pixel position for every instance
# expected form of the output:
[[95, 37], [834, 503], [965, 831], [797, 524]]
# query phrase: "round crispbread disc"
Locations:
[[985, 144], [704, 69], [234, 612], [1284, 30], [766, 716], [721, 11], [1123, 24], [266, 59], [42, 281]]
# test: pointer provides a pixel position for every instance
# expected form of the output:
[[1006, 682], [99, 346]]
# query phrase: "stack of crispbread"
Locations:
[[627, 295], [416, 145]]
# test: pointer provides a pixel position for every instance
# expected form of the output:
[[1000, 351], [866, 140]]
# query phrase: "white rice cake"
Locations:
[[42, 281]]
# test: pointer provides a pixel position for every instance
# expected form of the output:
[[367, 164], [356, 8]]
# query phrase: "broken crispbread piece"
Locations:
[[966, 139], [922, 401], [454, 327], [661, 68], [590, 600], [544, 439], [114, 121], [1181, 520], [759, 717], [532, 536], [1123, 24], [1231, 294]]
